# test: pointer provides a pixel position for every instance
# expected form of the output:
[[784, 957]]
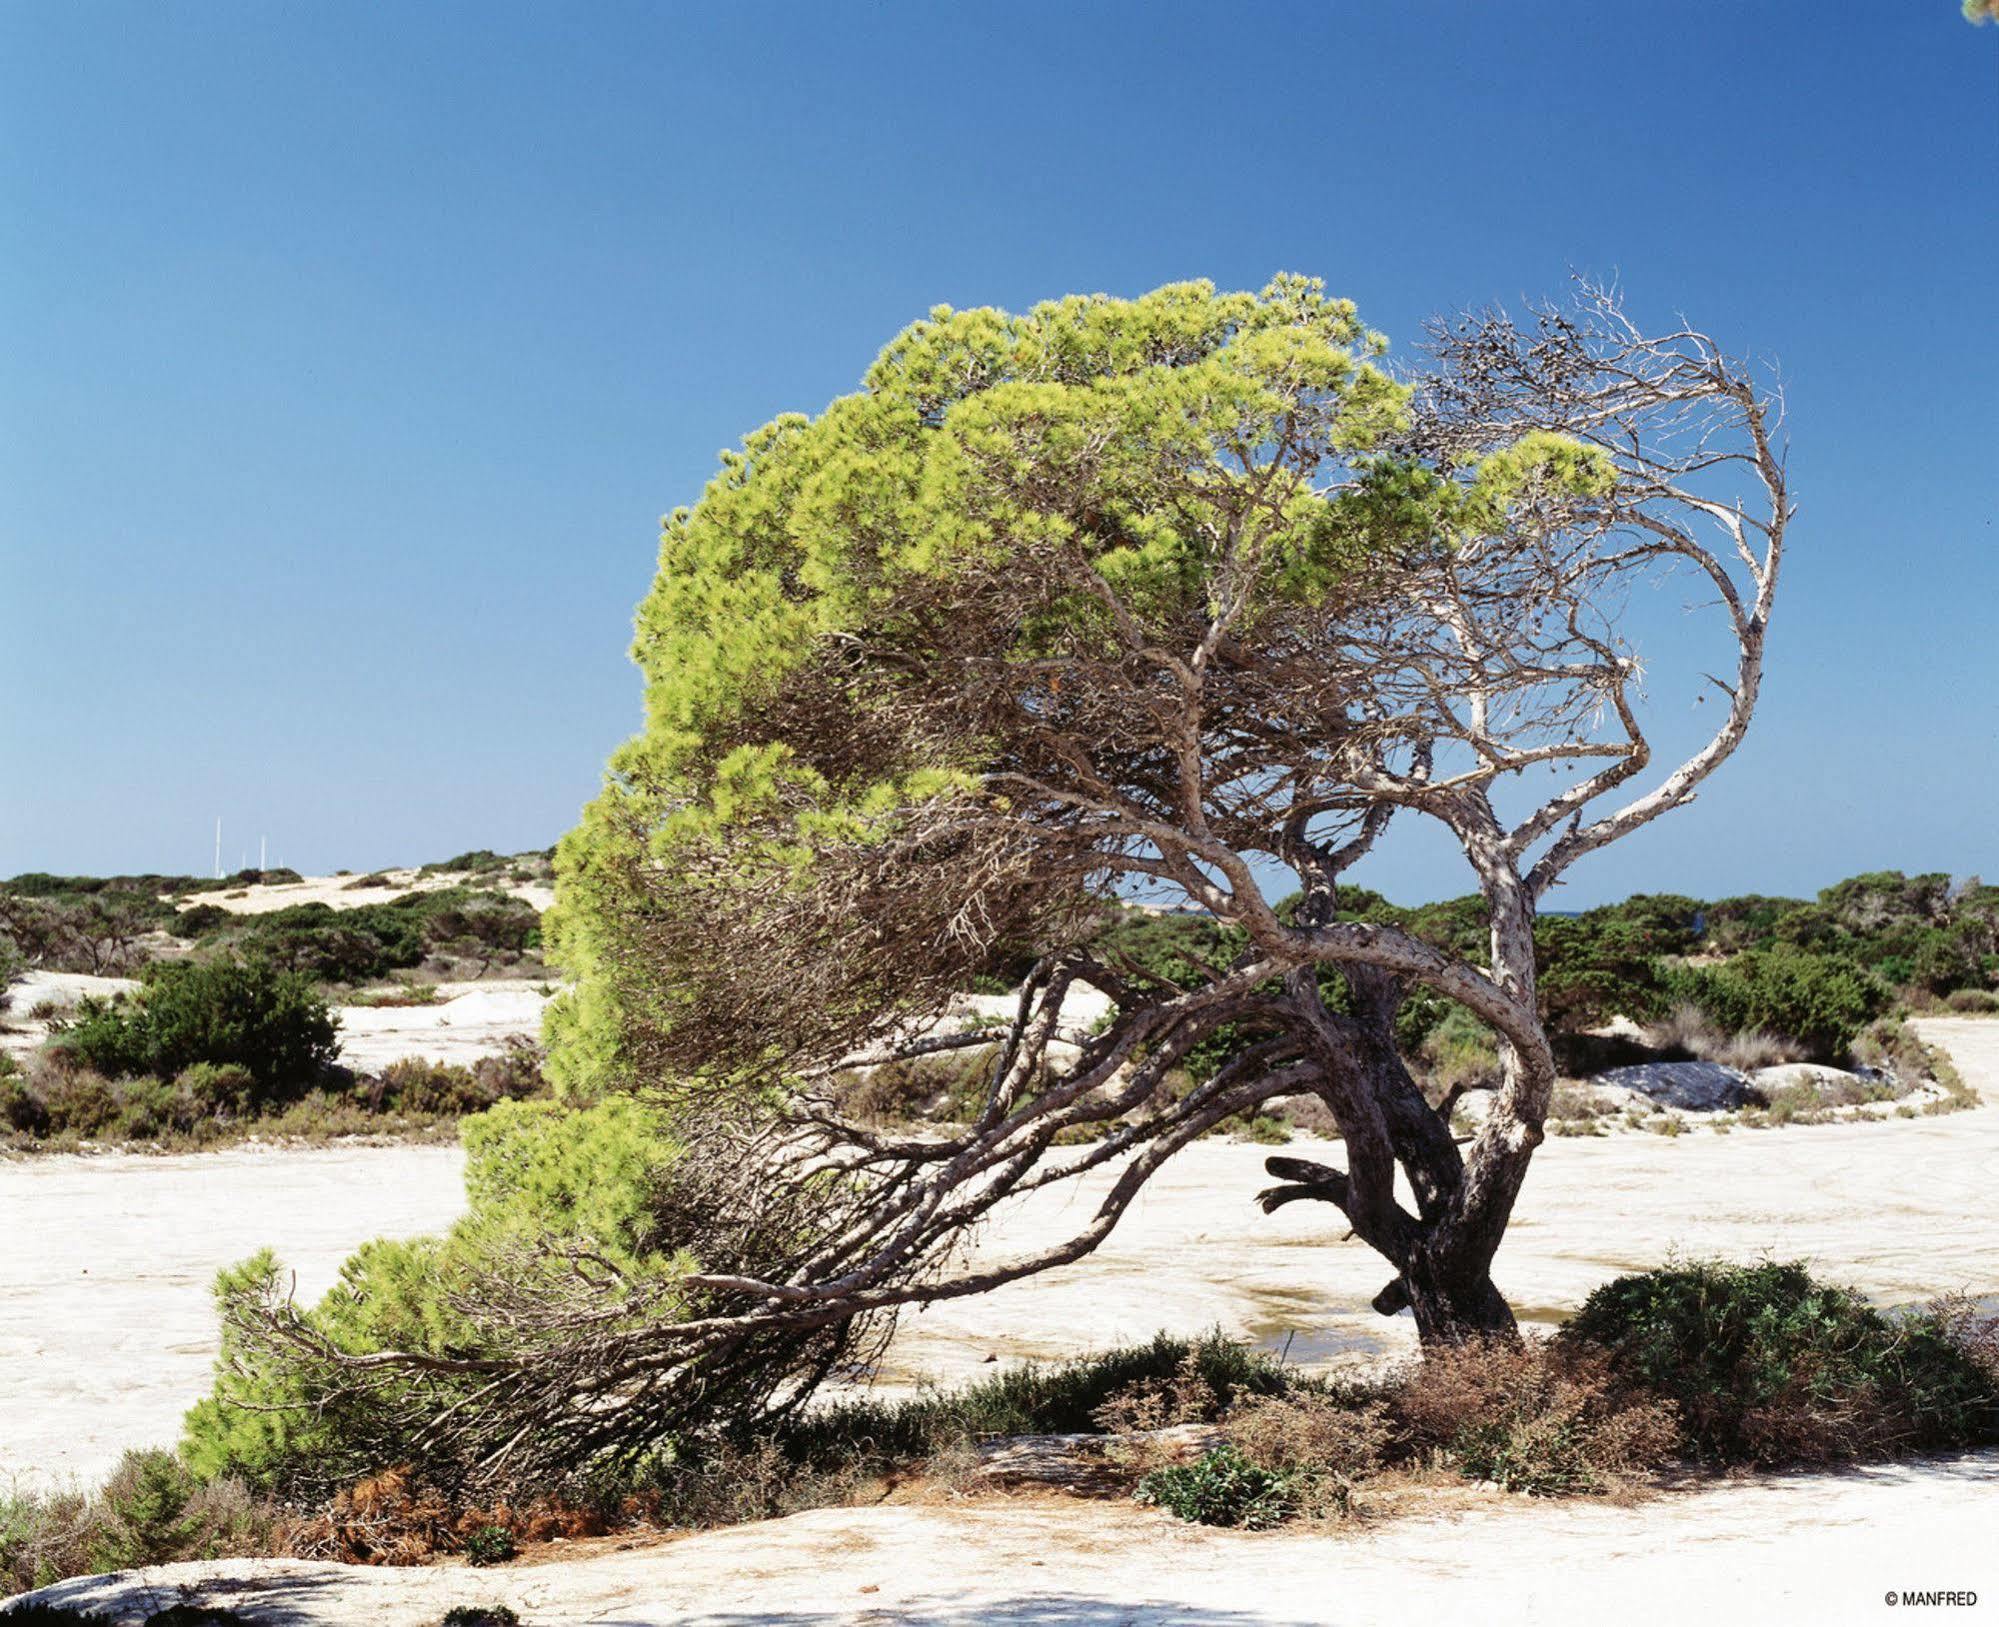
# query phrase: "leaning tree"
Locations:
[[1193, 595]]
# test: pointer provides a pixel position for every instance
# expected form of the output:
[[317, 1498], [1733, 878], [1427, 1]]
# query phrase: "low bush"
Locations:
[[1534, 1417], [1325, 1445], [1892, 1046], [480, 1615], [1223, 1487], [225, 1089], [1211, 1373], [151, 1511], [13, 965], [199, 920], [1767, 1366], [490, 1545], [1821, 1002], [1973, 1002], [247, 1013], [414, 1085]]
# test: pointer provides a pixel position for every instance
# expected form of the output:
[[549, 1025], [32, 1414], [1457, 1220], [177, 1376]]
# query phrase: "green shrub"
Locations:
[[476, 862], [13, 965], [271, 1023], [1820, 1001], [1973, 1002], [1768, 1366], [151, 1109], [480, 1615], [1325, 1444], [414, 1085], [1222, 1488], [199, 920], [227, 1089], [490, 1545], [150, 1512], [22, 1110], [76, 1100]]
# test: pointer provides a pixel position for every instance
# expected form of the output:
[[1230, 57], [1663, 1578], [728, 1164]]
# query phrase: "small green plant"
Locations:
[[490, 1545], [479, 1615], [1221, 1488]]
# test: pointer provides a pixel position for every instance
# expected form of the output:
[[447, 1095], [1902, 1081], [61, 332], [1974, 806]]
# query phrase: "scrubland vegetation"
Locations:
[[1696, 1366], [232, 1030], [114, 926], [1748, 984]]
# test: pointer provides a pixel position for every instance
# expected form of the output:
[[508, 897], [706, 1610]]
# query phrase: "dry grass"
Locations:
[[1327, 1446], [150, 1512], [392, 1519], [1686, 1030], [1535, 1417]]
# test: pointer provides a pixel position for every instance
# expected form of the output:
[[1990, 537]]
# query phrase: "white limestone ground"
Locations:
[[342, 894], [468, 1021]]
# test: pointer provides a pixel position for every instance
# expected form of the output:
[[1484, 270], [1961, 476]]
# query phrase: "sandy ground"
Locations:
[[106, 1331], [1778, 1549], [470, 1020], [341, 893]]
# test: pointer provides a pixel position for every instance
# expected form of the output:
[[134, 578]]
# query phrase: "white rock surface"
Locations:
[[473, 1020], [1694, 1087]]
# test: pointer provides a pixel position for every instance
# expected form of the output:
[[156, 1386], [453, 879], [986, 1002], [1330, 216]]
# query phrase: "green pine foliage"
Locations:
[[536, 1174], [981, 448]]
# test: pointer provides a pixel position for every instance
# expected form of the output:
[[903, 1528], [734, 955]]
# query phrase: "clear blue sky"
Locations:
[[351, 353]]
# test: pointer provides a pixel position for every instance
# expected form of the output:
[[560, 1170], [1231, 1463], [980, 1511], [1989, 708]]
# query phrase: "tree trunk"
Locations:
[[1453, 1305]]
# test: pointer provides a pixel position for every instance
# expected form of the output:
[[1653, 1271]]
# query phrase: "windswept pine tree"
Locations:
[[1193, 593]]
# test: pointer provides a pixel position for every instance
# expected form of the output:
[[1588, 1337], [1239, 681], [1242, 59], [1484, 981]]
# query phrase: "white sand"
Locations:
[[106, 1330], [470, 1021], [341, 893]]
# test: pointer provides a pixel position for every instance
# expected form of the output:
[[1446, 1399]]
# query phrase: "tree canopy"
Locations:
[[874, 644]]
